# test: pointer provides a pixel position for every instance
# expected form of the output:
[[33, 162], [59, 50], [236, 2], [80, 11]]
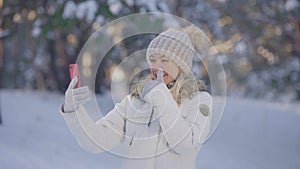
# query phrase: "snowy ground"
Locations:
[[252, 135]]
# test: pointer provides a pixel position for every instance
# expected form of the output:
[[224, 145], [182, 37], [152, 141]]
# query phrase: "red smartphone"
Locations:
[[73, 68]]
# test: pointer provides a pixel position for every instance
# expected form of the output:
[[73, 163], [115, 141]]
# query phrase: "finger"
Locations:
[[82, 100], [160, 74], [81, 90], [153, 71], [73, 83], [81, 96], [153, 76]]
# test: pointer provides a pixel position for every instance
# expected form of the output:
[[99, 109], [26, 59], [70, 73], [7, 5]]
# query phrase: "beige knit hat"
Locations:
[[176, 45]]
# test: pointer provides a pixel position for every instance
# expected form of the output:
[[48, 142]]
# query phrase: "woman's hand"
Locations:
[[152, 83], [74, 97]]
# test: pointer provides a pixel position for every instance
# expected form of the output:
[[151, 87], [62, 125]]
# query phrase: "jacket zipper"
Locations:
[[131, 141], [151, 117]]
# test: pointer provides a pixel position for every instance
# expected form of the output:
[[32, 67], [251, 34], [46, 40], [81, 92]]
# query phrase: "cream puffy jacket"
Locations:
[[160, 135]]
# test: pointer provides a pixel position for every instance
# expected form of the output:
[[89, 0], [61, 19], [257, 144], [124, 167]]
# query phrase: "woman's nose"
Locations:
[[157, 65]]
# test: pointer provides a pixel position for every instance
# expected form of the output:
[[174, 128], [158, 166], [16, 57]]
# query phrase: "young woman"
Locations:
[[165, 119]]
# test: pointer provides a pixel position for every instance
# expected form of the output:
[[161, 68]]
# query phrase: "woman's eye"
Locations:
[[165, 60], [152, 60]]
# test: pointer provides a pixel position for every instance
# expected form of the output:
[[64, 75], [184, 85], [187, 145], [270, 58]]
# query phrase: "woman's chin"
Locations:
[[168, 80]]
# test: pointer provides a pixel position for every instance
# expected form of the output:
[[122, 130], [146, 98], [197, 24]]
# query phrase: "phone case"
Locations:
[[74, 71]]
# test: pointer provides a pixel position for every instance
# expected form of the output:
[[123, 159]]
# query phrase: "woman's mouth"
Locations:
[[164, 75]]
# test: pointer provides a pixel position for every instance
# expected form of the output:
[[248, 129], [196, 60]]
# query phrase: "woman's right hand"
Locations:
[[74, 97], [152, 83]]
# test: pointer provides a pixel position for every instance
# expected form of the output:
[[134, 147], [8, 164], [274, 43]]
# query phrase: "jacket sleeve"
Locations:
[[99, 136], [184, 129]]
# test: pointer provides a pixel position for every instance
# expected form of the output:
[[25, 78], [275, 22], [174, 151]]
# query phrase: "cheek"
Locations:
[[168, 79], [173, 72]]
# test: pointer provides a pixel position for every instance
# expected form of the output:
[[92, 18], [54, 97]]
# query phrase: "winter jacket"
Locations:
[[160, 135]]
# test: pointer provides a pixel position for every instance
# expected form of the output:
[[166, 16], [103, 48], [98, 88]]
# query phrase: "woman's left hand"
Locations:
[[152, 83]]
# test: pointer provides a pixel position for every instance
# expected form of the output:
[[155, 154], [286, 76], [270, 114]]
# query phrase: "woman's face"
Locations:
[[171, 70]]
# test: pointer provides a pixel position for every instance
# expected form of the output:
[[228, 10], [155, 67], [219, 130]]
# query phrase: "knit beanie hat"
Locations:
[[175, 45]]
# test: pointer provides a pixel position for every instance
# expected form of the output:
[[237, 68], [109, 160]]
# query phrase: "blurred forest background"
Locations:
[[258, 41]]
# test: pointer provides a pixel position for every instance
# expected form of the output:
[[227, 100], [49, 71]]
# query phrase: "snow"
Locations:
[[34, 135], [100, 19], [252, 134], [240, 47], [115, 6], [87, 10], [69, 10], [84, 10], [152, 5], [36, 31], [129, 2], [291, 5]]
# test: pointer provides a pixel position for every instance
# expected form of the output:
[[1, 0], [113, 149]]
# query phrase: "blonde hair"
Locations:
[[186, 84], [185, 87]]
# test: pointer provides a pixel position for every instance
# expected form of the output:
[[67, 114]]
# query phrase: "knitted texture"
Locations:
[[176, 45]]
